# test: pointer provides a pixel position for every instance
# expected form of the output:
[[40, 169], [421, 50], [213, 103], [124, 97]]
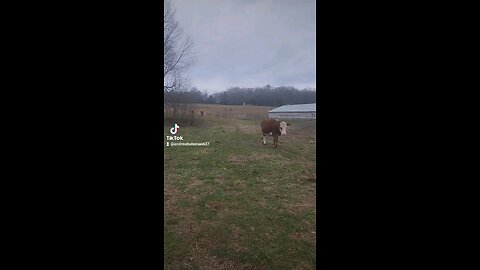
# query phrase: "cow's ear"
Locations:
[[288, 124]]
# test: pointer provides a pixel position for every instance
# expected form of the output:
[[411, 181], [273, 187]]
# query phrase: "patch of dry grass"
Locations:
[[234, 111]]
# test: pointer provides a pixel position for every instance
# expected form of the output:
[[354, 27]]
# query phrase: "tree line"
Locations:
[[260, 96]]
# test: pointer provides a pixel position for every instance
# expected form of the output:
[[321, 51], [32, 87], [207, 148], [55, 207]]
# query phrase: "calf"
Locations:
[[275, 127]]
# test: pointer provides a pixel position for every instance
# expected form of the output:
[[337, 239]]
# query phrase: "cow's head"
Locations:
[[283, 128]]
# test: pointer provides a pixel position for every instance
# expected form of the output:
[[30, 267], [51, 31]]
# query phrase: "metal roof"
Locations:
[[296, 108]]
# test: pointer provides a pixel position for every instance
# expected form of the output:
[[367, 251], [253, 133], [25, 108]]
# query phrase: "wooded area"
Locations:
[[259, 96]]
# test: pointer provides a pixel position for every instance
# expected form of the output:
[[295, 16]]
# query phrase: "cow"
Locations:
[[274, 127]]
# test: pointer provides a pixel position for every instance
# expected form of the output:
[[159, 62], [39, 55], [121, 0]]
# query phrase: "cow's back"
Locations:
[[270, 125]]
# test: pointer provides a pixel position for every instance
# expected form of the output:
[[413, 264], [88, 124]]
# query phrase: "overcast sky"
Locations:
[[250, 43]]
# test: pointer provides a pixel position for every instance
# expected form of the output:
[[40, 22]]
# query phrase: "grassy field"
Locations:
[[239, 204], [234, 111]]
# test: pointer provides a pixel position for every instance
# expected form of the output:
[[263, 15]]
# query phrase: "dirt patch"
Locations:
[[236, 237], [300, 203], [304, 266], [308, 236], [214, 206], [242, 159], [236, 159], [194, 183], [308, 167], [308, 178], [268, 188]]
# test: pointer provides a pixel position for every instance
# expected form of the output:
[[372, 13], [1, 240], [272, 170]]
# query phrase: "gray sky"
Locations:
[[249, 43]]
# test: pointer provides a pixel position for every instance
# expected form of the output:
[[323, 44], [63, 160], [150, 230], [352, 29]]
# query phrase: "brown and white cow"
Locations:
[[274, 127]]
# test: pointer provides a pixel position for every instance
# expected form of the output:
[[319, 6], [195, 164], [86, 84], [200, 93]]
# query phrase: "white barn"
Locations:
[[299, 111]]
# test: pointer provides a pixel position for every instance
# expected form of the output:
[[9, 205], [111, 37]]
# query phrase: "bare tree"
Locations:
[[177, 57], [176, 51]]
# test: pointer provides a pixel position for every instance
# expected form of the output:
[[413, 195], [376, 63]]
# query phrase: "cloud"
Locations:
[[250, 43]]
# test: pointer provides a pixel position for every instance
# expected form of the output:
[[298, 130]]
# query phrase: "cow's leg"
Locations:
[[275, 140], [264, 139]]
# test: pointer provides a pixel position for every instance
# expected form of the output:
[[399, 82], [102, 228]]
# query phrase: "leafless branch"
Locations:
[[176, 53]]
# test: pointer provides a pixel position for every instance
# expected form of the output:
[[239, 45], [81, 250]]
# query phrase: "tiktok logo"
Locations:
[[174, 129]]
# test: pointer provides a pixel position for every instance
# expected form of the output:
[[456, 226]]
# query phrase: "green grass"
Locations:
[[238, 202]]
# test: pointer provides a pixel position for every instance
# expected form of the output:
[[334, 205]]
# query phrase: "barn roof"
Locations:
[[296, 108]]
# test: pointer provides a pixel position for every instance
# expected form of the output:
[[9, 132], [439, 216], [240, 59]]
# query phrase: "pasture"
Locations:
[[239, 204], [235, 111]]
